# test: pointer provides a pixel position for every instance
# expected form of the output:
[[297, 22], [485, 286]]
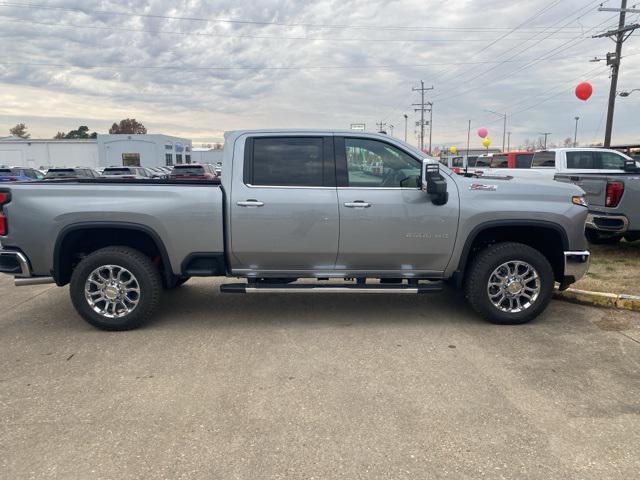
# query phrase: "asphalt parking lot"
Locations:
[[314, 386]]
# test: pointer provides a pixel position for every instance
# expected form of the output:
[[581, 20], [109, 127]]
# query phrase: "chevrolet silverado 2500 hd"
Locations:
[[366, 211]]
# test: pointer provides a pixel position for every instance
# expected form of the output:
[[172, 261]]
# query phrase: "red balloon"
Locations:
[[584, 91]]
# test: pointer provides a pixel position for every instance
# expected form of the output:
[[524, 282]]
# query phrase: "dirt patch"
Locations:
[[613, 269]]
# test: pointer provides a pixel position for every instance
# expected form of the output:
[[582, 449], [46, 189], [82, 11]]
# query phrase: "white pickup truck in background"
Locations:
[[547, 163]]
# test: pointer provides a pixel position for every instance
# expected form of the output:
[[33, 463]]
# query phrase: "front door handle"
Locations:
[[250, 203], [357, 204]]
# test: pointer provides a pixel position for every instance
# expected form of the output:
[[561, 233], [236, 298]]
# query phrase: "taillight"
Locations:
[[4, 198], [614, 194]]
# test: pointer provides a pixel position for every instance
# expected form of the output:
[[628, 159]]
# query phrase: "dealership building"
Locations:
[[147, 150]]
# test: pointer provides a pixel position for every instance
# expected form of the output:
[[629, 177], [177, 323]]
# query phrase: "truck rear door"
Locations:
[[283, 213]]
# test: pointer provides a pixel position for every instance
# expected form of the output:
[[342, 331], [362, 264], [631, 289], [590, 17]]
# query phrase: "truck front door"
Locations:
[[387, 223], [284, 207]]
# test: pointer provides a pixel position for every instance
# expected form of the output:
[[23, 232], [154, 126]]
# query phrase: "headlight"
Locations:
[[579, 200]]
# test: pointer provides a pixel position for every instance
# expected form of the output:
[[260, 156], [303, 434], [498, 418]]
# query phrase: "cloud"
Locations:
[[75, 65]]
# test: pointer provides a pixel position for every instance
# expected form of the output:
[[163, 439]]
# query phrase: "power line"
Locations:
[[539, 59], [587, 8], [38, 6], [261, 37], [249, 67]]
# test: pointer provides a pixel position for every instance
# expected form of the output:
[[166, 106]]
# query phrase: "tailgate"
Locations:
[[595, 187]]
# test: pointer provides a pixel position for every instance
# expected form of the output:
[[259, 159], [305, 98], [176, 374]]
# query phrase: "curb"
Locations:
[[599, 299]]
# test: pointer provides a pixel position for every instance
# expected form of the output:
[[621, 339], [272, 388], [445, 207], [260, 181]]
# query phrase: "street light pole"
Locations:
[[575, 133], [508, 141]]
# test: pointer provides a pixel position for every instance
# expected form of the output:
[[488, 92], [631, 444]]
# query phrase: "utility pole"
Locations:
[[508, 141], [391, 129], [381, 126], [406, 118], [613, 59], [575, 133], [466, 162], [430, 123], [422, 109], [546, 134], [504, 124]]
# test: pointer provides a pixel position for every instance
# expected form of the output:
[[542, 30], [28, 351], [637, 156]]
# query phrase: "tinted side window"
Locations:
[[288, 161], [585, 160], [499, 161], [523, 160], [371, 163], [610, 161], [544, 159]]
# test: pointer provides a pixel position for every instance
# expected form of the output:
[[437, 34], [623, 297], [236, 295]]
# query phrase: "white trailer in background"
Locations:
[[44, 154]]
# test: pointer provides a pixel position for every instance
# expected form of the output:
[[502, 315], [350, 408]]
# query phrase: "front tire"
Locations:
[[509, 283], [115, 288]]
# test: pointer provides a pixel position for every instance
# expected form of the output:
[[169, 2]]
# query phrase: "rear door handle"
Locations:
[[357, 204], [250, 203]]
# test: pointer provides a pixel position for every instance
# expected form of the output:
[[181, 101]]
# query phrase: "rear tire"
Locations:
[[115, 288], [509, 283]]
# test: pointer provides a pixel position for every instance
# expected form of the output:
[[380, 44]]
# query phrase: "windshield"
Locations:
[[117, 171], [60, 173]]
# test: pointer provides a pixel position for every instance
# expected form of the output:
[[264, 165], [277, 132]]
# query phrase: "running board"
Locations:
[[314, 288]]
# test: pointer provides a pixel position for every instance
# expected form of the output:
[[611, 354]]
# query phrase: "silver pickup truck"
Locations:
[[613, 202], [298, 211]]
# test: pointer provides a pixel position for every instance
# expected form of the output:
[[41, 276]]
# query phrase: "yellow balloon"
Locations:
[[486, 142], [453, 150]]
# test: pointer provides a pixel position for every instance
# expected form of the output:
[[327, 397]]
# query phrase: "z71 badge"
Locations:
[[482, 186]]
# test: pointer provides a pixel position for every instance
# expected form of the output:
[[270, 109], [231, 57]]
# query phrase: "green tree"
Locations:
[[20, 130], [128, 125]]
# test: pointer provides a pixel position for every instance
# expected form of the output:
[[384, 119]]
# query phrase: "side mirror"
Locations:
[[433, 183]]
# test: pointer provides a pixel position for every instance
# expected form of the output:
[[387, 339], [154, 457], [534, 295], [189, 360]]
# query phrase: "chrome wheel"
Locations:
[[514, 286], [112, 291]]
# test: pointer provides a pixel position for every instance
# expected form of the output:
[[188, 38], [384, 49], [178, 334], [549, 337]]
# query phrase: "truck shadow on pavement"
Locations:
[[199, 303]]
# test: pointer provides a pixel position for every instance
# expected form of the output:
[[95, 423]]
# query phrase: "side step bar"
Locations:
[[314, 288]]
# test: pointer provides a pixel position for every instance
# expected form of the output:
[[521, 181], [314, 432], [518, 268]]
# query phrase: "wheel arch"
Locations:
[[549, 238], [91, 236]]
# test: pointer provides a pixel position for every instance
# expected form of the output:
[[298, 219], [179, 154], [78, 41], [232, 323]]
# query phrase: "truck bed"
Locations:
[[186, 216]]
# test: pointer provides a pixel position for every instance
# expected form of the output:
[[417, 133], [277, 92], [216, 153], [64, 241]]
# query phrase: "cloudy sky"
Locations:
[[196, 68]]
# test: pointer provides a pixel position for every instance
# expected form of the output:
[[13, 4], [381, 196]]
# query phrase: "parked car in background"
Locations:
[[126, 173], [157, 172], [459, 163], [193, 171], [20, 174], [218, 169], [548, 163], [76, 172]]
